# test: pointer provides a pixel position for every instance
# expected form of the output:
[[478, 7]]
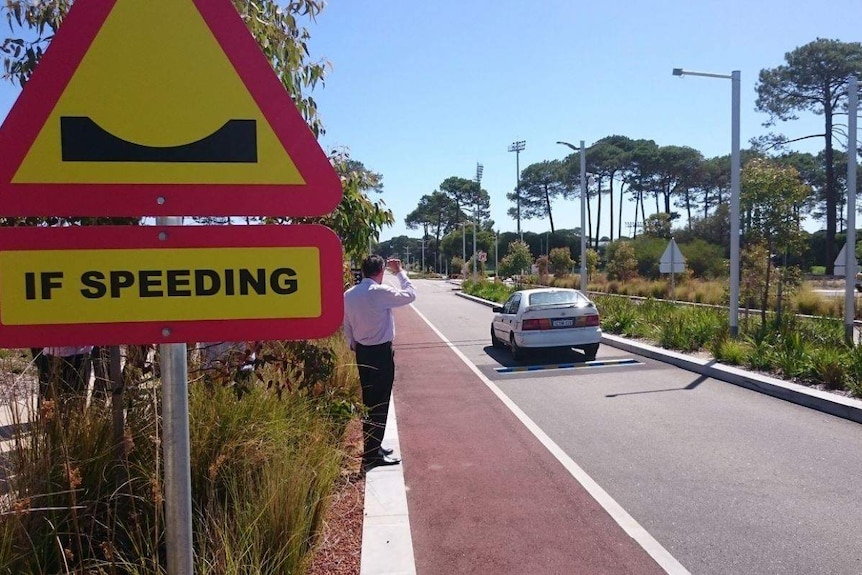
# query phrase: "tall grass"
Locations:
[[263, 464], [491, 291]]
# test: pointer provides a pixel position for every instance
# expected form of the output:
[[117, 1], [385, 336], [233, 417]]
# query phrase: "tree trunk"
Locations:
[[611, 208], [667, 198], [598, 213], [548, 204], [589, 230], [688, 206], [620, 220], [831, 203], [643, 212]]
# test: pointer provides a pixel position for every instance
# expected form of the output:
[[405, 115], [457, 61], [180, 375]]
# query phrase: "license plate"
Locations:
[[563, 322]]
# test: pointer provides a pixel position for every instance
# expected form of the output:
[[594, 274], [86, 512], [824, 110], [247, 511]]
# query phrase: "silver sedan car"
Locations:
[[547, 318]]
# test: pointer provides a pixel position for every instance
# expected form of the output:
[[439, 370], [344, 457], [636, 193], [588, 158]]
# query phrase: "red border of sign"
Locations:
[[147, 237], [320, 194]]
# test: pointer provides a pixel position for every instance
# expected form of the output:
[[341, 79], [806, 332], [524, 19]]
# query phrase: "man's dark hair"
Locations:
[[372, 265]]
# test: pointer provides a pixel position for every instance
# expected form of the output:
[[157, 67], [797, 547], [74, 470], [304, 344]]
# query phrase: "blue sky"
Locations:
[[423, 90]]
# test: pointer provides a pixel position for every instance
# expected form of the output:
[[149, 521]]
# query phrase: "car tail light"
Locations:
[[591, 320], [535, 324]]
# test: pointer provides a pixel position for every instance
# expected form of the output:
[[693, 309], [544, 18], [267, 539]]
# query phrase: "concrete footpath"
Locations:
[[480, 491]]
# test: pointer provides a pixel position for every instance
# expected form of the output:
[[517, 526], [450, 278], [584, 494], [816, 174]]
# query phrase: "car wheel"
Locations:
[[517, 352], [590, 351], [495, 341]]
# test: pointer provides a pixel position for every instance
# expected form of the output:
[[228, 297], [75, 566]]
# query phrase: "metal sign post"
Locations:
[[176, 449], [673, 262]]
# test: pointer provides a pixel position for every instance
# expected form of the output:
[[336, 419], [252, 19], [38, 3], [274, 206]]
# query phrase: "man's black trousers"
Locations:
[[376, 374]]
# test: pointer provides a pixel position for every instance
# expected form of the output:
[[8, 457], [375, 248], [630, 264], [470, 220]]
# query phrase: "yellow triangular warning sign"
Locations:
[[159, 107]]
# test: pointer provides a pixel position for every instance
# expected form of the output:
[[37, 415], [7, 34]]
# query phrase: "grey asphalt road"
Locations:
[[727, 480]]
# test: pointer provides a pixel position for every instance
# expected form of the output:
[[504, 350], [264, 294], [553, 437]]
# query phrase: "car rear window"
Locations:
[[556, 298]]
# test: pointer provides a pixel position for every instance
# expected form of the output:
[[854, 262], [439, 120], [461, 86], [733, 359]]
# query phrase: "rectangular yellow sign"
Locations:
[[82, 286]]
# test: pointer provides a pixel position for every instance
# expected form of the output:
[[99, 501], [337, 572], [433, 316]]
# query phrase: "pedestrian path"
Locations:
[[485, 495]]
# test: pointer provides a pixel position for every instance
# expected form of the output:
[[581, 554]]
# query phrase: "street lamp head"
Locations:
[[677, 72]]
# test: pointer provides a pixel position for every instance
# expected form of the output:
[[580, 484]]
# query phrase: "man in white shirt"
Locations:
[[369, 328]]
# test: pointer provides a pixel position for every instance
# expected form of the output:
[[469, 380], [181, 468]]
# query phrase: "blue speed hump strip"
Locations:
[[580, 365]]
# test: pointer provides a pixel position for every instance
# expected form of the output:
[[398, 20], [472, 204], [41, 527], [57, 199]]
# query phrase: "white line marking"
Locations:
[[661, 556]]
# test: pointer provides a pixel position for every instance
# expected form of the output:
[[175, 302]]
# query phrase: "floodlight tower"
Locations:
[[518, 147]]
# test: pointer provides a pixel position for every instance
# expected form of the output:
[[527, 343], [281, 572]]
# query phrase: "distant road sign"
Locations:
[[158, 108], [672, 260], [841, 263], [162, 284], [483, 257]]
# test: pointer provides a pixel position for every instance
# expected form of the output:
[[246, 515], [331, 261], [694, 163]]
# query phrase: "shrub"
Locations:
[[517, 259], [807, 302], [648, 252], [791, 355], [854, 371], [731, 351], [704, 259], [659, 290], [561, 261], [543, 265], [491, 291], [457, 265], [828, 369], [480, 267], [759, 357], [622, 264], [618, 315], [592, 262]]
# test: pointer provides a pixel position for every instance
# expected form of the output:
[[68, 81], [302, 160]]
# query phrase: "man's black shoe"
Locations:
[[383, 461]]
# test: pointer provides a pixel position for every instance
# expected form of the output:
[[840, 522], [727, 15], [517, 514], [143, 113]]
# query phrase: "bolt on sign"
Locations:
[[165, 284], [159, 108]]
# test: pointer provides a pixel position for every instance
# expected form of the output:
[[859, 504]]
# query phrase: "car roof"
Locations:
[[539, 290]]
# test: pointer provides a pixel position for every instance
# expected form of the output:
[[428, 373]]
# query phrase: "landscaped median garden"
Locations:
[[268, 450], [806, 350]]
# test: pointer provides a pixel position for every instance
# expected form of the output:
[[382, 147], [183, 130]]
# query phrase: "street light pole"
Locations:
[[850, 265], [479, 169], [734, 78], [518, 147], [583, 152], [463, 242]]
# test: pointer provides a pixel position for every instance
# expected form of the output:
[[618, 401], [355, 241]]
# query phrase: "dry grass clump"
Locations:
[[266, 452]]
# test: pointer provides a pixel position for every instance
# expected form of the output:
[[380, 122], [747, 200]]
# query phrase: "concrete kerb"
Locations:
[[823, 401]]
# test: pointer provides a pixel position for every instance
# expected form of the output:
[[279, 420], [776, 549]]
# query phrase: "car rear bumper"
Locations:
[[559, 337]]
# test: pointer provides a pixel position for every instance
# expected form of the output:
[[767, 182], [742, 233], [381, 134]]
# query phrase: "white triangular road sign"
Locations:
[[841, 263], [672, 260]]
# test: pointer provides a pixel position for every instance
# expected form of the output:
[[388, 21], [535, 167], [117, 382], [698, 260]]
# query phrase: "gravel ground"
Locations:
[[18, 378], [339, 551]]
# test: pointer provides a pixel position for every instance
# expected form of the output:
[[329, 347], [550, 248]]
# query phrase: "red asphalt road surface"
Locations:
[[484, 495]]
